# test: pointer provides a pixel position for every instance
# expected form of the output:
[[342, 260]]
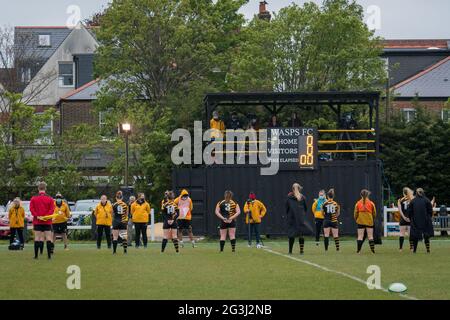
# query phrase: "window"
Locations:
[[445, 115], [44, 40], [66, 74], [408, 114], [46, 133], [25, 75], [102, 119]]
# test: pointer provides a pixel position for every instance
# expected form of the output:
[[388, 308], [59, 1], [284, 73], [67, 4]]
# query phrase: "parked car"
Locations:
[[82, 206]]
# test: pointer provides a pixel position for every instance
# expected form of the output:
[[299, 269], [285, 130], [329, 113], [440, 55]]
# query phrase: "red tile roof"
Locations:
[[415, 44]]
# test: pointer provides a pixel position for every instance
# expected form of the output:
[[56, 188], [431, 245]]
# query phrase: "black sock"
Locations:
[[175, 244], [233, 245], [427, 244], [359, 245], [41, 247], [37, 245], [372, 246], [49, 249], [291, 244], [163, 245], [326, 241], [415, 243], [53, 247], [401, 240], [222, 245], [301, 242], [114, 246], [336, 242], [125, 246]]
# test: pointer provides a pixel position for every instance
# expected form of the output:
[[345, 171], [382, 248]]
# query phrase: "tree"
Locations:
[[158, 58], [416, 154], [20, 167], [307, 48]]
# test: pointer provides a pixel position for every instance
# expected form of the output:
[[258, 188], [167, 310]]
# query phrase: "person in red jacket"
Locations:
[[42, 206]]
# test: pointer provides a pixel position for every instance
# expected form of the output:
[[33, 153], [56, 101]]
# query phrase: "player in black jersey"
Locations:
[[331, 211], [120, 222], [227, 211], [403, 204], [170, 212]]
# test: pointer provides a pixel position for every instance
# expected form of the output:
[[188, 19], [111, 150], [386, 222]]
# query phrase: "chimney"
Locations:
[[263, 12]]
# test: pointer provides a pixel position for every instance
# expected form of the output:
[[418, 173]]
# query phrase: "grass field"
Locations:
[[204, 273]]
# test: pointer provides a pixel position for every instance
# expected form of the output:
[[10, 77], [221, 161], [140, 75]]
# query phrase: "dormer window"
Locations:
[[66, 74], [44, 40]]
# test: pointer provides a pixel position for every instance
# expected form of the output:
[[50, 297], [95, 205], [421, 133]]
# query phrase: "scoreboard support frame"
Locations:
[[206, 183]]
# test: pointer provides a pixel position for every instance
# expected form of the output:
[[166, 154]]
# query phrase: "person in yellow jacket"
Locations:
[[254, 211], [103, 219], [60, 217], [16, 216], [140, 214], [217, 126], [364, 214], [318, 213], [185, 206]]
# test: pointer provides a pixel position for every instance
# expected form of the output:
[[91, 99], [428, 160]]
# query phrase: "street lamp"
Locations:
[[126, 128]]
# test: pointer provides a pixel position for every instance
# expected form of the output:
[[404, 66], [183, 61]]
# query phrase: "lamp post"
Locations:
[[126, 128]]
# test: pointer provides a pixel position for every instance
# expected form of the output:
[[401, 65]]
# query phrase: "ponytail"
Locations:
[[296, 190], [364, 195]]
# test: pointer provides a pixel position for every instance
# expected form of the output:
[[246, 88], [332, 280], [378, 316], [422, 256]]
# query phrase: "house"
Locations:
[[51, 62], [419, 70]]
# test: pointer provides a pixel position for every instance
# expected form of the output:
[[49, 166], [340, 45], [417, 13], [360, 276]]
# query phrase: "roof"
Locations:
[[24, 38], [433, 82], [417, 44], [86, 92]]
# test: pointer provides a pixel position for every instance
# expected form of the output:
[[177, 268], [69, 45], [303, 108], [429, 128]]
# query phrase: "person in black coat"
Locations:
[[296, 209], [420, 212]]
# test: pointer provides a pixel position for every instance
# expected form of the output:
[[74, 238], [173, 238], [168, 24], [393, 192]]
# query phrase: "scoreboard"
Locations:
[[297, 148]]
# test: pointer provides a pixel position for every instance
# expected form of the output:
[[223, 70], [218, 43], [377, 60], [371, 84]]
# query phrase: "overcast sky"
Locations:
[[393, 19]]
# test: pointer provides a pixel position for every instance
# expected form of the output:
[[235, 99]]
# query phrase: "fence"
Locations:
[[75, 223], [440, 223]]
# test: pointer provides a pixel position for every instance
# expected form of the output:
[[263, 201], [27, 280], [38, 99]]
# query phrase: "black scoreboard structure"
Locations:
[[345, 158]]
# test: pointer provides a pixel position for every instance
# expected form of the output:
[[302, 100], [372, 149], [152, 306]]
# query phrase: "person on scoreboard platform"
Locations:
[[294, 121], [170, 213], [217, 126], [403, 204], [331, 211], [273, 122], [420, 212], [296, 217], [364, 214], [227, 211], [318, 213]]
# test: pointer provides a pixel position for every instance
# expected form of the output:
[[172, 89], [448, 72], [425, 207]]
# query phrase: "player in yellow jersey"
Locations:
[[331, 211]]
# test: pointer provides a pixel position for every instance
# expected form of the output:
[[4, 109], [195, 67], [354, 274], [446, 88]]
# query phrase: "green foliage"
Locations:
[[19, 128], [416, 154], [309, 48]]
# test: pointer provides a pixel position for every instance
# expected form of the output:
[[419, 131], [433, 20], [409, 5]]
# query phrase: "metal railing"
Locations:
[[440, 223]]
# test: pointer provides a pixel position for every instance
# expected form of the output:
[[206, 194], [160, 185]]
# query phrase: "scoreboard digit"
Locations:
[[307, 152]]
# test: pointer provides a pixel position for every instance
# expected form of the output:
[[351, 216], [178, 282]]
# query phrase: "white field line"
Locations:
[[318, 266]]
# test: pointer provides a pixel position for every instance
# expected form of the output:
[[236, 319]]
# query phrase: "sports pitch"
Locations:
[[204, 273]]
